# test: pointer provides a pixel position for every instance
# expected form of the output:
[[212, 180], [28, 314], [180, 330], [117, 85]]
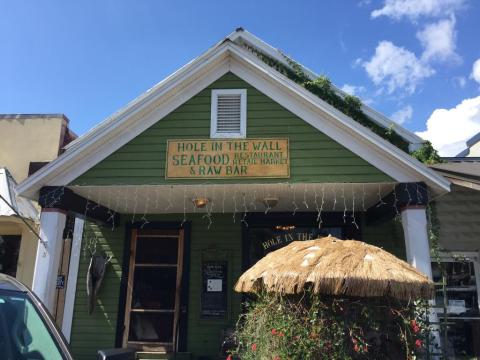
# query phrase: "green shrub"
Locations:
[[309, 327]]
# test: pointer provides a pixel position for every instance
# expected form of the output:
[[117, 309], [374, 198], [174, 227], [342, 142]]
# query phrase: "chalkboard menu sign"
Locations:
[[214, 289]]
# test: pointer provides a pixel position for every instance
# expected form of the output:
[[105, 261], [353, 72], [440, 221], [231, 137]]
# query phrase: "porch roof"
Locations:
[[237, 198]]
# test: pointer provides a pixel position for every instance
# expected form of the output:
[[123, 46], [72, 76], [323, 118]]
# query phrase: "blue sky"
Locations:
[[407, 58]]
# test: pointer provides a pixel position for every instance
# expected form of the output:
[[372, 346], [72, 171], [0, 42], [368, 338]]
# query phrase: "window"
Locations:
[[9, 250], [229, 113], [456, 302], [23, 333], [35, 166]]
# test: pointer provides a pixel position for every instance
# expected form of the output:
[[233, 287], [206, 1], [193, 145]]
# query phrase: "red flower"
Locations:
[[274, 332], [418, 343], [229, 357], [276, 358], [414, 326], [254, 347], [281, 334]]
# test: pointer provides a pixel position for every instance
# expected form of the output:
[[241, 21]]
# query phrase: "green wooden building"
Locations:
[[191, 183]]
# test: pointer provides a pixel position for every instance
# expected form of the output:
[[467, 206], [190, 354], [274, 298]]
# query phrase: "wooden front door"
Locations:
[[153, 292]]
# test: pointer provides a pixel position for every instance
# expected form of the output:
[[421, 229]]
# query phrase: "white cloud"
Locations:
[[364, 3], [460, 81], [353, 89], [402, 115], [413, 9], [438, 41], [358, 91], [396, 68], [476, 71], [449, 129]]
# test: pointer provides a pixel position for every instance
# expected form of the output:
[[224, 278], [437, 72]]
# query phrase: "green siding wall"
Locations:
[[97, 331], [314, 156], [204, 336], [388, 235]]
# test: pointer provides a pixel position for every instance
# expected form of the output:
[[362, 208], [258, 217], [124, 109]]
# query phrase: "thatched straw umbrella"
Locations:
[[336, 267]]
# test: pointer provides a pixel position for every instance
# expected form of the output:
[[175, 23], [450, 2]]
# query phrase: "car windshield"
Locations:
[[23, 333]]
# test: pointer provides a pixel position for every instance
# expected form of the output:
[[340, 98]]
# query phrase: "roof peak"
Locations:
[[241, 35]]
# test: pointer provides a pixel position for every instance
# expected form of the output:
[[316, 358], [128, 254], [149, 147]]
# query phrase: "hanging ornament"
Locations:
[[408, 194], [395, 200], [135, 203], [145, 209], [334, 197], [380, 199], [294, 202], [354, 222], [304, 202], [245, 210]]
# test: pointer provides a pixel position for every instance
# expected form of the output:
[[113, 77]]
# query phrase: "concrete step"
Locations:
[[144, 355]]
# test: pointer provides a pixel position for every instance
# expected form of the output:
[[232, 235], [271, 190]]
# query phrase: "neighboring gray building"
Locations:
[[473, 147], [458, 218]]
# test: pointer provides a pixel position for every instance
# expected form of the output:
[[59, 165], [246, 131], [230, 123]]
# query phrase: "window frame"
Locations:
[[471, 256], [214, 134], [144, 345]]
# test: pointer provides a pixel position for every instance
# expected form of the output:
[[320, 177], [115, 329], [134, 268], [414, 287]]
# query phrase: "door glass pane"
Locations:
[[151, 327], [153, 297], [154, 288], [157, 250]]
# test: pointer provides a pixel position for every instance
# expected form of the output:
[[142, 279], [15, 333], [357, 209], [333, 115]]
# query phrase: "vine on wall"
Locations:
[[349, 105]]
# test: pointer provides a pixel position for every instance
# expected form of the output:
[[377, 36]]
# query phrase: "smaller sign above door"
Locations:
[[230, 158]]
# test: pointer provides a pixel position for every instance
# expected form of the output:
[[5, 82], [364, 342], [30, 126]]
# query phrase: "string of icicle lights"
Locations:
[[141, 202]]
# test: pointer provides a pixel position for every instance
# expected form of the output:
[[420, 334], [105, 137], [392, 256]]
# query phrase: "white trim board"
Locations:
[[72, 278], [194, 77]]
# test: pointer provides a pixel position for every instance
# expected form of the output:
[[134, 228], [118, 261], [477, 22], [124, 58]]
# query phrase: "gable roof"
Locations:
[[461, 171], [227, 56], [470, 142]]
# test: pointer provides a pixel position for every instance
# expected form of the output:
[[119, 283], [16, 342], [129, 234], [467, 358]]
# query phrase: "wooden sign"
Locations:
[[228, 158]]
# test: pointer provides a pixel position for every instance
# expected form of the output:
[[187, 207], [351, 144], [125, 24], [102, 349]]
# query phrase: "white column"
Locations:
[[414, 221], [72, 278], [52, 223]]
